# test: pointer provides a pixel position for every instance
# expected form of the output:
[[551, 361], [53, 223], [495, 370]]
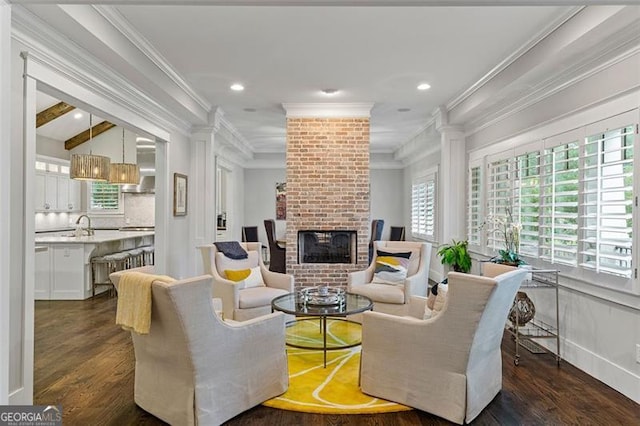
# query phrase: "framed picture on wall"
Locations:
[[179, 194], [281, 201]]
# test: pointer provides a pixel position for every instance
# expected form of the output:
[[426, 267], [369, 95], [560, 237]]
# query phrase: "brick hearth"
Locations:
[[327, 190]]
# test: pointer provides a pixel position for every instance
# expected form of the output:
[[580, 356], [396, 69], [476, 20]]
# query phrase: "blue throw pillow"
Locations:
[[231, 249]]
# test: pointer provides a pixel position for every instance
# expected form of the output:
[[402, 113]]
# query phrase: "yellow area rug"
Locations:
[[331, 390]]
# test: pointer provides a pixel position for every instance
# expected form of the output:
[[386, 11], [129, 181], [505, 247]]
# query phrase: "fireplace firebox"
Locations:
[[327, 246]]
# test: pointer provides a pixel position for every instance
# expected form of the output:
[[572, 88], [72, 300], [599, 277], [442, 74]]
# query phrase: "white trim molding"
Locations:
[[74, 64], [6, 256], [328, 110]]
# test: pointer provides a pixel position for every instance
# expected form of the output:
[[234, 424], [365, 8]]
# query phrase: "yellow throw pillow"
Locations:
[[238, 275]]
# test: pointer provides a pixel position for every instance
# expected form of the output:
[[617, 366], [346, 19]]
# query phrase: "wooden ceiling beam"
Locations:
[[81, 138], [53, 112]]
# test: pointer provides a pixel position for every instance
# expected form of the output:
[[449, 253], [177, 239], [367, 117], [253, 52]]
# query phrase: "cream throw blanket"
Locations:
[[134, 300]]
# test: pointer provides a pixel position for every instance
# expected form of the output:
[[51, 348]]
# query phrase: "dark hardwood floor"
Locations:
[[84, 362]]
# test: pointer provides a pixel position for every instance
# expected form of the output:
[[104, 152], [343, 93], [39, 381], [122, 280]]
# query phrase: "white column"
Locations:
[[451, 180], [5, 195], [202, 186]]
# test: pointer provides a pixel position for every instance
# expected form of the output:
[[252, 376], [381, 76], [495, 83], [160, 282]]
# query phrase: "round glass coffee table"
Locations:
[[306, 309]]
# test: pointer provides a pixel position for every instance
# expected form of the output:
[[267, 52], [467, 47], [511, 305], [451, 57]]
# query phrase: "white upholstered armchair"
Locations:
[[449, 365], [240, 302], [194, 369], [393, 298]]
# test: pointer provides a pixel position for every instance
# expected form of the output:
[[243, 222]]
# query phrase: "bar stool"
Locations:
[[136, 258], [102, 266], [148, 255]]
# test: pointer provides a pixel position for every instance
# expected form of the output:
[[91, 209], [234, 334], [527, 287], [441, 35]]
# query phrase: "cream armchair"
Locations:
[[240, 303], [393, 299], [449, 365], [192, 368]]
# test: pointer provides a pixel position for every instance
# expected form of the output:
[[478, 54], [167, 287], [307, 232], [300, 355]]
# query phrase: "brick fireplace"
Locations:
[[327, 184]]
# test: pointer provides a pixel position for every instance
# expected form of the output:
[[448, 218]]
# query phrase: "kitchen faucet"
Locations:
[[89, 229]]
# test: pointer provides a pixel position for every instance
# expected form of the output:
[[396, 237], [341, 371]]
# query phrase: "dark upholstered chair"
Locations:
[[397, 233], [376, 235], [277, 263], [250, 235]]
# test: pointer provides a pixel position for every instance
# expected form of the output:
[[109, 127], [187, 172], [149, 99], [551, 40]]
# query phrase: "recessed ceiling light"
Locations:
[[330, 92], [77, 115], [404, 109], [237, 87], [424, 86], [249, 109]]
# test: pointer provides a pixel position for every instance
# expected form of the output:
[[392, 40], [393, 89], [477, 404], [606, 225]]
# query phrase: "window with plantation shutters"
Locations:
[[474, 208], [606, 216], [104, 198], [499, 196], [423, 198]]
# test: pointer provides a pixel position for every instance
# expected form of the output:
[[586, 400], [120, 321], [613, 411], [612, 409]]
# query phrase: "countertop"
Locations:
[[101, 236]]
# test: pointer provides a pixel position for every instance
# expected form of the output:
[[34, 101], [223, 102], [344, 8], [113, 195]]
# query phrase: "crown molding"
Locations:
[[414, 146], [526, 47], [328, 110], [119, 22], [422, 144], [343, 3], [589, 66], [229, 141], [56, 52]]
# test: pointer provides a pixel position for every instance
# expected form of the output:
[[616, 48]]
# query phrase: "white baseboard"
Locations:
[[620, 379], [20, 397]]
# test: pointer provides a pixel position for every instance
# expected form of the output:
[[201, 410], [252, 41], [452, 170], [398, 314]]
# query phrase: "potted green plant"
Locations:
[[456, 256]]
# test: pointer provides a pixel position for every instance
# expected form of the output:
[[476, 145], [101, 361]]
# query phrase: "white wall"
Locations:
[[260, 199], [388, 199], [51, 148], [180, 253]]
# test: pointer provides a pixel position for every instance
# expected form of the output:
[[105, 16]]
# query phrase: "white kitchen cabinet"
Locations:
[[42, 290], [40, 191], [74, 195], [46, 192], [68, 272], [55, 190]]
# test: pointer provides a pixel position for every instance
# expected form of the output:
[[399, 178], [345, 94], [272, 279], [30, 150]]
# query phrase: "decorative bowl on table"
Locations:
[[323, 295]]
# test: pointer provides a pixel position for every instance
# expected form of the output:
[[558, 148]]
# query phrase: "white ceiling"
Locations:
[[287, 54], [66, 126]]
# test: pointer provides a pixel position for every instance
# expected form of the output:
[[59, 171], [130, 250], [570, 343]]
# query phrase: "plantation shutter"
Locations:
[[105, 197], [499, 191], [474, 208], [559, 199], [423, 207], [608, 201], [526, 199]]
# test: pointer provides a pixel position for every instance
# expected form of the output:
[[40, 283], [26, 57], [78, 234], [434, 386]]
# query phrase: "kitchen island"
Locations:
[[63, 261]]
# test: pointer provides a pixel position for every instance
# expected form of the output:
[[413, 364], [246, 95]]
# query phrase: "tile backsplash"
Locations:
[[139, 209]]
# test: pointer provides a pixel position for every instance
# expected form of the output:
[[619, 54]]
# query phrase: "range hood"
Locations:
[[147, 185], [146, 160]]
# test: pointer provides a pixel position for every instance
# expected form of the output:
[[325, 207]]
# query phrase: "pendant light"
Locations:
[[124, 173], [89, 166]]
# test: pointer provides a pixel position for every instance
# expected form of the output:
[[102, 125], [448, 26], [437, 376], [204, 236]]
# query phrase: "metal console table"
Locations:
[[526, 334]]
